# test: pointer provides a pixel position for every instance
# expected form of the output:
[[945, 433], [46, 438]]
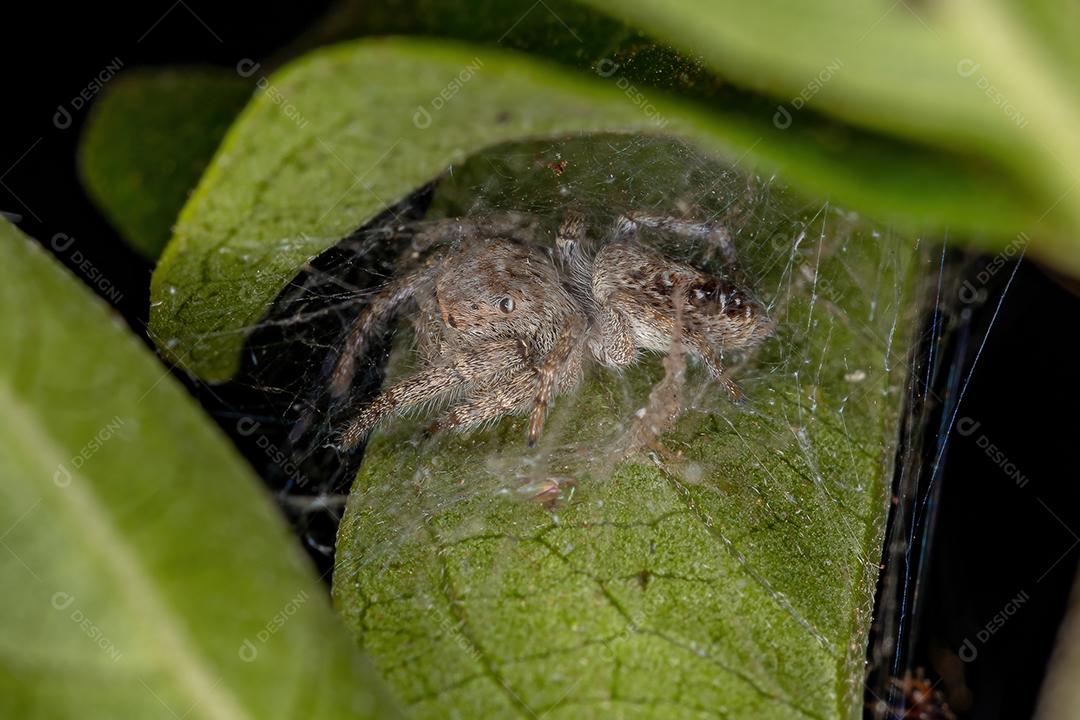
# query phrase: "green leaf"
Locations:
[[883, 68], [730, 573], [896, 75], [147, 142], [988, 79], [335, 142], [145, 574], [140, 120]]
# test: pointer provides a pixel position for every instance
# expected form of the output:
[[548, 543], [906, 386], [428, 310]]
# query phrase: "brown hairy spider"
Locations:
[[505, 324]]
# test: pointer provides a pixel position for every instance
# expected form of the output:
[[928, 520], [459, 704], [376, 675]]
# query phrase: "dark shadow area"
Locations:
[[983, 542]]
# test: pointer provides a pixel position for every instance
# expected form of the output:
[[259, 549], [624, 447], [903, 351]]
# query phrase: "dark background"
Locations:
[[991, 540]]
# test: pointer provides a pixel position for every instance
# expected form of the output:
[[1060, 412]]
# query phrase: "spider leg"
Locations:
[[560, 370], [515, 226], [490, 402], [715, 234], [490, 362], [371, 321], [568, 240], [716, 368], [665, 399], [615, 345]]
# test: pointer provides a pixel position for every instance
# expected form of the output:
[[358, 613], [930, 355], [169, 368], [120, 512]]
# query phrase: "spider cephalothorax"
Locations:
[[505, 323]]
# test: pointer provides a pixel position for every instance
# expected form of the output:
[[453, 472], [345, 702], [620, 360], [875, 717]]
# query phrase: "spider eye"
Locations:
[[507, 305]]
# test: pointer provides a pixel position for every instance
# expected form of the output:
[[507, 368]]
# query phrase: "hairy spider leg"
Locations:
[[715, 234], [560, 371], [493, 361], [569, 240], [514, 226], [490, 402], [615, 347], [371, 321], [665, 399]]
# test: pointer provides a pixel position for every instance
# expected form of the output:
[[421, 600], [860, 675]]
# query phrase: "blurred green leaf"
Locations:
[[920, 74], [347, 131], [149, 139], [145, 573], [152, 123], [992, 80], [896, 74], [730, 573]]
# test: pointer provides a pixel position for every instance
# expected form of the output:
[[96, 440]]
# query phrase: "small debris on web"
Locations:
[[551, 491]]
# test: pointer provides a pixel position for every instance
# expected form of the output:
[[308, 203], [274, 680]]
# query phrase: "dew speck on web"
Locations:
[[757, 526]]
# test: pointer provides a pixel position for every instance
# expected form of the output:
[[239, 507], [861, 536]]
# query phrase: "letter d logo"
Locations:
[[782, 118], [421, 118], [966, 426]]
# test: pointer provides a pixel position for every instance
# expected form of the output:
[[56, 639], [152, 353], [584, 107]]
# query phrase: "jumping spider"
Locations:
[[505, 324]]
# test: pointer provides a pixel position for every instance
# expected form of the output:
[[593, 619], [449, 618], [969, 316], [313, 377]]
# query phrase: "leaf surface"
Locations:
[[730, 571], [149, 139], [141, 562]]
